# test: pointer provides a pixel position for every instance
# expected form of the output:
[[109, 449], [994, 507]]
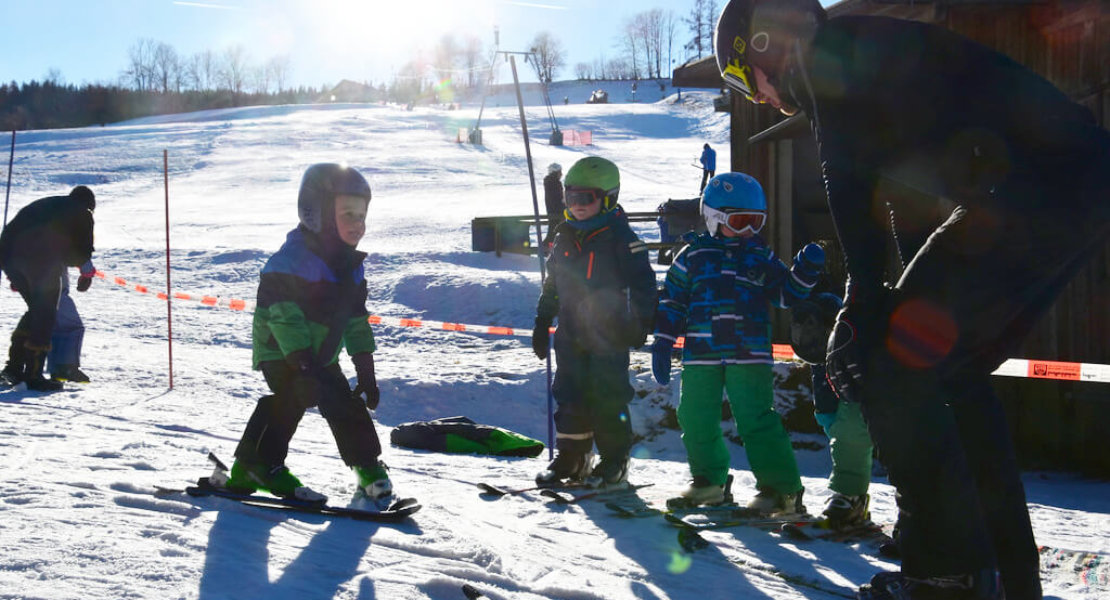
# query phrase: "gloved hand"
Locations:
[[305, 384], [810, 260], [367, 387], [541, 338], [661, 360], [858, 328], [83, 283], [825, 420]]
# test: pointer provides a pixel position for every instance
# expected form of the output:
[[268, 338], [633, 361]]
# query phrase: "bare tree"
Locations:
[[278, 71], [233, 71], [631, 43], [165, 67], [583, 71], [140, 68], [548, 56], [444, 57], [472, 60], [695, 20]]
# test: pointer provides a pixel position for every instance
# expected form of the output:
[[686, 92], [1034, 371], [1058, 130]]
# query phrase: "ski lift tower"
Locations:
[[475, 135], [556, 138]]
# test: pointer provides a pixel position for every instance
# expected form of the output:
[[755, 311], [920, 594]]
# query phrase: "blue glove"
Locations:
[[825, 420], [810, 260], [661, 360], [859, 326]]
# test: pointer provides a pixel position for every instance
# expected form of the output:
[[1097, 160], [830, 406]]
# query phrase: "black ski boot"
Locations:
[[609, 473], [34, 360], [572, 466]]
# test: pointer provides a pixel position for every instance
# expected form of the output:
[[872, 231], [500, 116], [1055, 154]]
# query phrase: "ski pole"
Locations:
[[7, 192]]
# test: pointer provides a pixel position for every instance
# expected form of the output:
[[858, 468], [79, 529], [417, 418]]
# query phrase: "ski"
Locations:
[[398, 511], [647, 510], [562, 497], [870, 533], [488, 489], [740, 518]]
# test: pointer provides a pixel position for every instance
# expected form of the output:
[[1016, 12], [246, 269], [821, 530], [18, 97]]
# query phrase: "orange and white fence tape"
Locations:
[[1014, 367]]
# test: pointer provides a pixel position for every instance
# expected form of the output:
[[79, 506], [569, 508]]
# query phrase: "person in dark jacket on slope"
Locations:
[[1027, 171], [311, 304], [45, 237], [553, 201], [601, 287]]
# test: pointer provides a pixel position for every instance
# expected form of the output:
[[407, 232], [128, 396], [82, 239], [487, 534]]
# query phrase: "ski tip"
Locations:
[[471, 592], [490, 490]]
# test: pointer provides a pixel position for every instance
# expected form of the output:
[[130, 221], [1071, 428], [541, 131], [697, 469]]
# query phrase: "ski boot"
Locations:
[[609, 473], [375, 490], [847, 511], [769, 503], [567, 466], [34, 359], [985, 585], [700, 492], [277, 480], [69, 373]]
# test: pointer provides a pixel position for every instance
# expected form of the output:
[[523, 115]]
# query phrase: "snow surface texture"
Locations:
[[78, 518]]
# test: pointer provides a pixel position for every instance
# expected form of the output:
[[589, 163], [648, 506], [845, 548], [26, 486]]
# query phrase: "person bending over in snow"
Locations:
[[601, 287], [312, 303], [811, 322], [44, 238], [717, 294]]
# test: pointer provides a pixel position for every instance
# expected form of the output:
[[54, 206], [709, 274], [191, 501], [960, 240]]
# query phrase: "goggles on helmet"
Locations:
[[738, 73], [583, 196], [736, 221]]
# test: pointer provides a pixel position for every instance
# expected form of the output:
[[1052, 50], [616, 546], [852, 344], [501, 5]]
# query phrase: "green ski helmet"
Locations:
[[591, 178]]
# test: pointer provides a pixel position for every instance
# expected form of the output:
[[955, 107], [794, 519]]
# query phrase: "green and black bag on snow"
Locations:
[[460, 435]]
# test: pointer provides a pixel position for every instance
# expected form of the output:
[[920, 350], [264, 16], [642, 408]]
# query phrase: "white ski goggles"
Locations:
[[737, 221]]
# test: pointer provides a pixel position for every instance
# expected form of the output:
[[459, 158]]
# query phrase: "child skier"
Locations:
[[717, 294], [311, 303], [601, 286], [811, 324]]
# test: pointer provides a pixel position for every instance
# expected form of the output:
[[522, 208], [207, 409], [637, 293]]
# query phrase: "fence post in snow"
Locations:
[[169, 291], [8, 191]]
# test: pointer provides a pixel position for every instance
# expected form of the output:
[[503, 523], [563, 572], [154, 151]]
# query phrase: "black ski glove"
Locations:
[[367, 387], [83, 283], [859, 326], [541, 338], [305, 383]]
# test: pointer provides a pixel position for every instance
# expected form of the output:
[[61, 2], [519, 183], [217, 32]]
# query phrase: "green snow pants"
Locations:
[[750, 392], [850, 445]]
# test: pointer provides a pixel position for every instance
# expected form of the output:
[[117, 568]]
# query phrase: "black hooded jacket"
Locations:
[[53, 232], [940, 113]]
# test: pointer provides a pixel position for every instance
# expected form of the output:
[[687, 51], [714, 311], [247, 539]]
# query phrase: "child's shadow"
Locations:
[[237, 561]]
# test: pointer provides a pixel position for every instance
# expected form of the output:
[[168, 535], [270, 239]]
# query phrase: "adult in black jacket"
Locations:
[[45, 237], [1027, 174]]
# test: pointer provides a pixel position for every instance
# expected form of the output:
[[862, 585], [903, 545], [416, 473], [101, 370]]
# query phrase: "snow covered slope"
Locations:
[[78, 517]]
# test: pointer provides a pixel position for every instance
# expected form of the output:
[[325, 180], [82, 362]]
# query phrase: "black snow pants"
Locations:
[[40, 285], [592, 392], [961, 307], [275, 418]]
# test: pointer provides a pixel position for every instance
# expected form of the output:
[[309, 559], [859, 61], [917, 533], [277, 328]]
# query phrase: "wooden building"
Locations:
[[1068, 42]]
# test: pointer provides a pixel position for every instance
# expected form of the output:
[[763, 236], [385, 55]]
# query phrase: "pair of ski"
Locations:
[[399, 510], [560, 493]]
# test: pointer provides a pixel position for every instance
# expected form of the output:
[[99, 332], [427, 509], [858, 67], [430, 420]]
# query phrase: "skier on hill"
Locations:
[[1028, 171], [717, 294], [708, 162], [601, 287], [311, 304], [811, 322], [44, 238]]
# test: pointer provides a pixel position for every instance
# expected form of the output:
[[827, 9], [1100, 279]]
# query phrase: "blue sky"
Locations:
[[326, 40]]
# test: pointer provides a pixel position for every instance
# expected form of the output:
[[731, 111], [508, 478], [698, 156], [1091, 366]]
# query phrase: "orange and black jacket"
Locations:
[[601, 286]]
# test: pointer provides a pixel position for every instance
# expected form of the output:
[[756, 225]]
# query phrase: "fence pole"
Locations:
[[169, 290], [8, 191]]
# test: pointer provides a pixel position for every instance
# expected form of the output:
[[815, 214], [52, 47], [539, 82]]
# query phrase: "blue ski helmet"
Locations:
[[320, 185], [733, 200]]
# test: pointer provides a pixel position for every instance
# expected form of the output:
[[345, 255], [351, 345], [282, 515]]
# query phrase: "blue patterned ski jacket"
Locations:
[[718, 294]]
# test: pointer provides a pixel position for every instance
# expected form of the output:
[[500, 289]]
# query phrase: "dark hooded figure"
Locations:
[[45, 237]]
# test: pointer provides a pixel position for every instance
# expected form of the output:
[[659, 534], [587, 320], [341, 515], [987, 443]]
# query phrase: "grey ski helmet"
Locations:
[[811, 323], [320, 185]]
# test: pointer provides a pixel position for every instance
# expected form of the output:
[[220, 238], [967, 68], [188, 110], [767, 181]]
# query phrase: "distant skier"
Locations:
[[553, 201], [811, 322], [601, 287], [708, 162], [66, 341], [1028, 172], [311, 304], [44, 238], [717, 295]]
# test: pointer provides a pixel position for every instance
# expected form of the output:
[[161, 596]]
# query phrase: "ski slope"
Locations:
[[78, 517]]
